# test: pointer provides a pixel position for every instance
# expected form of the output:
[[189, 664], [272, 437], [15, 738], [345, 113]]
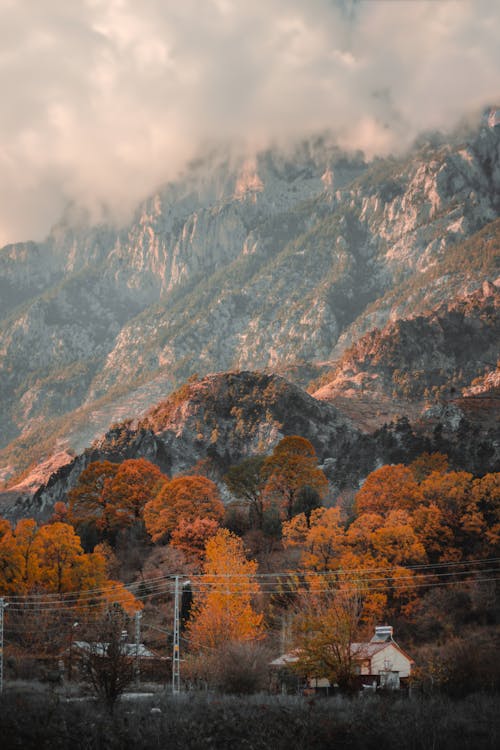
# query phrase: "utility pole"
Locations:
[[70, 660], [3, 605], [137, 643], [176, 663]]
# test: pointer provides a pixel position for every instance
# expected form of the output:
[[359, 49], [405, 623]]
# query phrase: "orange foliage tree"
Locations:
[[113, 496], [322, 541], [10, 560], [326, 630], [61, 562], [183, 498], [465, 506], [50, 559], [87, 501], [222, 610], [386, 489], [135, 483], [25, 535], [292, 466], [192, 536], [486, 499], [369, 557]]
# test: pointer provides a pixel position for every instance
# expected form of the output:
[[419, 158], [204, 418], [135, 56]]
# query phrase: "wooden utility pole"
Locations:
[[176, 662]]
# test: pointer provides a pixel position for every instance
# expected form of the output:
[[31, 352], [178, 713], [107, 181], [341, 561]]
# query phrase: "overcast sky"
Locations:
[[102, 100]]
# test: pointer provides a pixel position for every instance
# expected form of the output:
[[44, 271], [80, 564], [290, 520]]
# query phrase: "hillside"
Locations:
[[240, 264], [420, 360], [210, 424]]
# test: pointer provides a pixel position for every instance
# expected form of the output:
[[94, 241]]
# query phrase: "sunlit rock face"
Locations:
[[241, 263]]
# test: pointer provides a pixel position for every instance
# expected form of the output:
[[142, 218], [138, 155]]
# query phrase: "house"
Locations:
[[151, 666], [101, 649], [379, 664]]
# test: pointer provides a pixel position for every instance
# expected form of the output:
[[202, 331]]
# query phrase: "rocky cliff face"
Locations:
[[425, 358], [239, 264]]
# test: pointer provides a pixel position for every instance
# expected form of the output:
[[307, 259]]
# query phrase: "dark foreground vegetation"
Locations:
[[194, 721]]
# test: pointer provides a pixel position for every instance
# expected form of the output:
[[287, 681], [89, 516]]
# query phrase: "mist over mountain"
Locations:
[[143, 86], [282, 261]]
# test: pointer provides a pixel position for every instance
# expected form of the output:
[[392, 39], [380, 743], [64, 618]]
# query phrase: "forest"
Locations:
[[282, 565]]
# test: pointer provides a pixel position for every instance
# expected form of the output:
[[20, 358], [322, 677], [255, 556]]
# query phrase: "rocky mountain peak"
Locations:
[[314, 249]]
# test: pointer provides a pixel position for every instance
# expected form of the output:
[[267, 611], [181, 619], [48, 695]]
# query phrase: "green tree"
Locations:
[[246, 482]]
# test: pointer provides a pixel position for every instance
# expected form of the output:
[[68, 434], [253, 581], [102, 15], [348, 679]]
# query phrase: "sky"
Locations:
[[103, 100]]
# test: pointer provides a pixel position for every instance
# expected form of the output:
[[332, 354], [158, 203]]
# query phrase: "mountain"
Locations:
[[415, 361], [269, 262], [210, 424]]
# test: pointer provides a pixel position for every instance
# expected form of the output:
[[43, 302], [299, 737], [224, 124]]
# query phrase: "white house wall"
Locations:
[[391, 659]]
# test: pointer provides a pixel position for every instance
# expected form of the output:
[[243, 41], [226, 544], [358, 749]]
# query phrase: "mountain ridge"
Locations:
[[208, 425], [246, 265]]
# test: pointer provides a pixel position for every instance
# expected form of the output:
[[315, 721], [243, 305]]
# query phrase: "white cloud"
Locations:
[[102, 100]]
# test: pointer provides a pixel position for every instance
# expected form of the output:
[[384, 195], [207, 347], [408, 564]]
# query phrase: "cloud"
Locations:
[[102, 100]]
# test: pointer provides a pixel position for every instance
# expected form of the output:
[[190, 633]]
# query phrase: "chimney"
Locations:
[[383, 633]]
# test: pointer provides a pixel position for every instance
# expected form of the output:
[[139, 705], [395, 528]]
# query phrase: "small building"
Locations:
[[101, 649], [379, 664], [152, 667]]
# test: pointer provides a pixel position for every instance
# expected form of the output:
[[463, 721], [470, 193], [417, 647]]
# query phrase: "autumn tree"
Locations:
[[388, 488], [452, 494], [292, 466], [433, 532], [192, 536], [135, 483], [51, 558], [112, 496], [486, 500], [322, 540], [10, 560], [222, 610], [383, 547], [246, 482], [183, 498], [58, 550], [396, 541], [87, 500], [460, 515], [326, 631]]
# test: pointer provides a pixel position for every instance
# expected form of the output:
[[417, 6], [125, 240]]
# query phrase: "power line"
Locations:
[[96, 593], [230, 585], [354, 585]]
